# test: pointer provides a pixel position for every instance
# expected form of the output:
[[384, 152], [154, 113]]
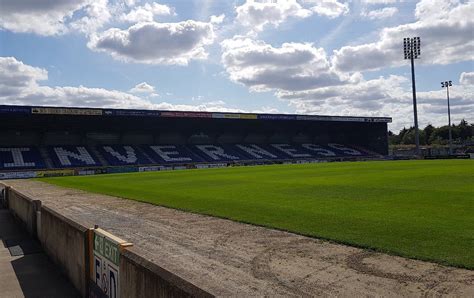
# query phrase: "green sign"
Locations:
[[106, 248]]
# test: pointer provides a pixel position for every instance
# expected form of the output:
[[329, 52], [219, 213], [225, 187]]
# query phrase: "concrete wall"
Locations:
[[140, 277], [66, 242], [25, 209]]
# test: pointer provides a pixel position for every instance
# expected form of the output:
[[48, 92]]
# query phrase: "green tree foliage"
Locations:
[[461, 133]]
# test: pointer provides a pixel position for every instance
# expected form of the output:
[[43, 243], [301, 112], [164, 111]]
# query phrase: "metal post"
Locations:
[[447, 84], [449, 122], [411, 49], [415, 112]]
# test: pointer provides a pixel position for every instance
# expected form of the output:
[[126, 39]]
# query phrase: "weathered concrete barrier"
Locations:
[[67, 243], [140, 277], [25, 209]]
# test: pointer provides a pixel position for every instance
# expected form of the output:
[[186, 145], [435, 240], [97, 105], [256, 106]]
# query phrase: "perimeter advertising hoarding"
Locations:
[[123, 169], [139, 113], [248, 116], [153, 113], [105, 269], [233, 116], [54, 173], [17, 175], [154, 168], [186, 114], [66, 111], [276, 117], [14, 110], [331, 118]]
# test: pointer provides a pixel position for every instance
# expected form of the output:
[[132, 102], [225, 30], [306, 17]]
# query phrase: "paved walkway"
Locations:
[[28, 272]]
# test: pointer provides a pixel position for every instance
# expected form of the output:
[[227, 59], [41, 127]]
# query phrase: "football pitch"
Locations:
[[417, 209]]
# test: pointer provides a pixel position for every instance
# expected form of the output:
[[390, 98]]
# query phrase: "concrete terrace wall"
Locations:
[[140, 277], [25, 209], [67, 242]]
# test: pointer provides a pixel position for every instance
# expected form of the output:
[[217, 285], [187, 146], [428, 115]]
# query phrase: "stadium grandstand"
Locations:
[[56, 141]]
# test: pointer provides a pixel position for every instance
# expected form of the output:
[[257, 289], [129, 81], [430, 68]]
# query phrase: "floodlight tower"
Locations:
[[411, 49], [447, 84]]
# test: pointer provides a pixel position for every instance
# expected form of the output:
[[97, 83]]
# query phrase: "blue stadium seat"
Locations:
[[16, 158], [120, 155], [72, 156]]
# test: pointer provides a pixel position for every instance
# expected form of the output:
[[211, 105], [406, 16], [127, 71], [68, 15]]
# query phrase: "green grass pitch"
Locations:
[[417, 209]]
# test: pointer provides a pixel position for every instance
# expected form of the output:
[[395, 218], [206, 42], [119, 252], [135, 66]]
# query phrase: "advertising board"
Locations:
[[248, 116], [85, 172], [154, 168], [17, 175], [125, 169], [139, 113], [66, 111], [217, 165], [14, 110], [54, 173], [186, 114], [276, 117]]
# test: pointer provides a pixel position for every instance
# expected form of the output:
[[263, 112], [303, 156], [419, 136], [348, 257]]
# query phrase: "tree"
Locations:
[[409, 137], [429, 129], [465, 130]]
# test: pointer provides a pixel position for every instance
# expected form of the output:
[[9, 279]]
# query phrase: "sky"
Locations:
[[322, 57]]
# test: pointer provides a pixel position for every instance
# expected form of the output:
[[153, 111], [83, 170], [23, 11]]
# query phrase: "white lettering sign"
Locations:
[[17, 156], [65, 155], [166, 153], [256, 151], [215, 152], [130, 156]]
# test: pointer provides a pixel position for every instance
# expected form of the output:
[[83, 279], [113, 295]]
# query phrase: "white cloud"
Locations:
[[372, 2], [433, 9], [382, 13], [262, 67], [97, 13], [217, 19], [40, 17], [15, 76], [446, 38], [147, 12], [329, 8], [156, 43], [19, 84], [364, 95], [143, 87], [258, 14], [467, 78]]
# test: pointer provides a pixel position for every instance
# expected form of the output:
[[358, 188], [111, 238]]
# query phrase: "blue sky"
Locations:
[[289, 56]]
